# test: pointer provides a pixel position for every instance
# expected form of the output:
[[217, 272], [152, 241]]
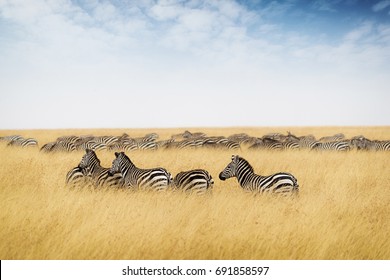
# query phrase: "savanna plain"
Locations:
[[342, 211]]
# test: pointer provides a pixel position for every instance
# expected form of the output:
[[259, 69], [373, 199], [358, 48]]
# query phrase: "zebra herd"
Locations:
[[125, 174], [188, 140], [19, 141]]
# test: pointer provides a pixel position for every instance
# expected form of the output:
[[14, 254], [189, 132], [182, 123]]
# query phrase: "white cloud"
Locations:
[[113, 57], [381, 5]]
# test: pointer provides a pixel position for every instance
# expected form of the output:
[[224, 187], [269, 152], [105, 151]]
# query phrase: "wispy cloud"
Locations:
[[381, 5], [105, 51]]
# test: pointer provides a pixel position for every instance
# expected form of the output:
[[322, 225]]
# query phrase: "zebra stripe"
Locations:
[[336, 137], [76, 177], [134, 177], [90, 164], [196, 181], [268, 144], [11, 138], [281, 183], [334, 146], [23, 142]]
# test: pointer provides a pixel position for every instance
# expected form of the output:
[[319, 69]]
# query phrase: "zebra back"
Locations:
[[197, 181]]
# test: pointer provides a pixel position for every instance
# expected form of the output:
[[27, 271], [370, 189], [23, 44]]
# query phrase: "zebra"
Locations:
[[335, 146], [267, 143], [23, 142], [123, 146], [188, 134], [96, 146], [280, 183], [336, 137], [58, 147], [90, 164], [379, 145], [76, 177], [196, 181], [71, 138], [133, 177], [10, 138]]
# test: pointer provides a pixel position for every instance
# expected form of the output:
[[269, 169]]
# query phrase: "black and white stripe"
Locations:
[[90, 164], [77, 177], [134, 177], [196, 181], [29, 142], [281, 183], [333, 146]]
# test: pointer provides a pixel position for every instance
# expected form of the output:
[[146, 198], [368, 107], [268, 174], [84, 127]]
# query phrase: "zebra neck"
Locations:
[[126, 166], [244, 175]]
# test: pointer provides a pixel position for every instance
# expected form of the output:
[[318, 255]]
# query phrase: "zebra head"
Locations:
[[116, 164], [230, 170], [89, 160]]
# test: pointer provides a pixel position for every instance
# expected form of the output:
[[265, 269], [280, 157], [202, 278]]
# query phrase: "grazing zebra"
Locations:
[[196, 181], [281, 183], [334, 146], [11, 138], [58, 147], [379, 145], [336, 137], [134, 177], [23, 142], [72, 139], [96, 146], [90, 164], [267, 143]]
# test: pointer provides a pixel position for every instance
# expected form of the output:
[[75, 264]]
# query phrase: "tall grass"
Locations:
[[342, 211]]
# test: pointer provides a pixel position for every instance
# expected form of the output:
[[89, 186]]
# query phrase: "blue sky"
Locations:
[[168, 63]]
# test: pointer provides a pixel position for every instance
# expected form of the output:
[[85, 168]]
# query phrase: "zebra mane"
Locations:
[[123, 156], [238, 160], [89, 151]]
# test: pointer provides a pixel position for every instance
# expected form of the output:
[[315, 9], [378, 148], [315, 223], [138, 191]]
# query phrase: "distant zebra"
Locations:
[[23, 142], [266, 144], [96, 146], [334, 146], [196, 181], [134, 177], [336, 137], [90, 164], [11, 138], [376, 145], [280, 183], [58, 147]]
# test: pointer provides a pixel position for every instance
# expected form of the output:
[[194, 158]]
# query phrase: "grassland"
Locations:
[[342, 211]]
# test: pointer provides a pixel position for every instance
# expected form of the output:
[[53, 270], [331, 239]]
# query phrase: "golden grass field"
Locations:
[[342, 212]]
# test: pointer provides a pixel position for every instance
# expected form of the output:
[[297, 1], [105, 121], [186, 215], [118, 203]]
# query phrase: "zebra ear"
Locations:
[[116, 154]]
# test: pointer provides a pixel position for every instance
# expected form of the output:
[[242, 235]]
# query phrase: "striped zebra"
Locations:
[[77, 177], [379, 145], [266, 144], [133, 177], [196, 181], [90, 164], [334, 138], [333, 146], [11, 138], [58, 147], [280, 183], [28, 142], [92, 145]]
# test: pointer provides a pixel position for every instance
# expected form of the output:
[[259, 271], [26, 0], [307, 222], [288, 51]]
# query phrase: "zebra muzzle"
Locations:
[[221, 177]]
